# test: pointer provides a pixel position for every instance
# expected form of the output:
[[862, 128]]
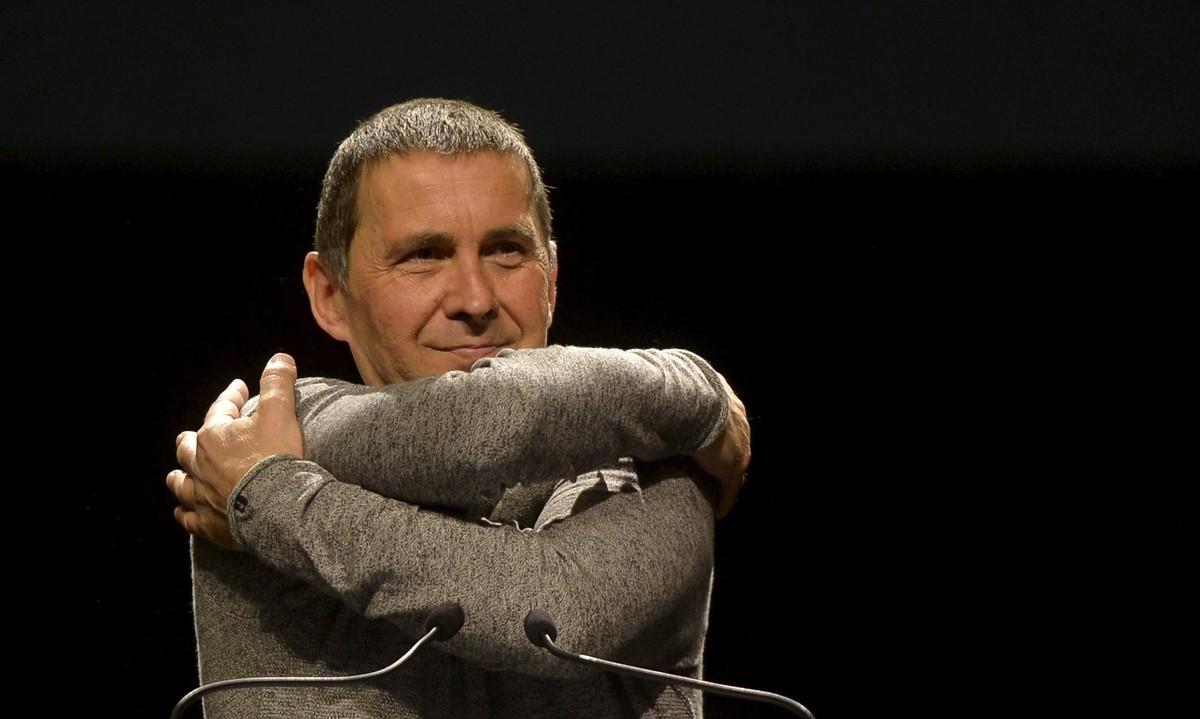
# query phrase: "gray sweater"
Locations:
[[340, 573]]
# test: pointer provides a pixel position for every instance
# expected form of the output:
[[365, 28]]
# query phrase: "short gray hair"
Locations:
[[448, 127]]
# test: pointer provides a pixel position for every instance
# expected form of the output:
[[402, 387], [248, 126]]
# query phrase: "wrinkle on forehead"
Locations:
[[422, 172]]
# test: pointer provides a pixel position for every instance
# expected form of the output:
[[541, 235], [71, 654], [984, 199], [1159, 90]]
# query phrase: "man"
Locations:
[[435, 264]]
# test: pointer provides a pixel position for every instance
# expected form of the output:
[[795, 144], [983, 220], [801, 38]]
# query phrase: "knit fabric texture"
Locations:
[[539, 479]]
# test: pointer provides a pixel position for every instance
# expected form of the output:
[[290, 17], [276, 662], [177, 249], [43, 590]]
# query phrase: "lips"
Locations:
[[473, 353]]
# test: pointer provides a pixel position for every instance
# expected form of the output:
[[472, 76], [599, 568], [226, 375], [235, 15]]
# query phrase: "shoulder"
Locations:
[[308, 391]]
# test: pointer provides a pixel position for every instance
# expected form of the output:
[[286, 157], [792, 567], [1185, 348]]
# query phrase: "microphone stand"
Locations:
[[447, 618], [724, 689]]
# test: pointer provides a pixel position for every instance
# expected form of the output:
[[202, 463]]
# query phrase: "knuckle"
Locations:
[[275, 371], [181, 445], [205, 436]]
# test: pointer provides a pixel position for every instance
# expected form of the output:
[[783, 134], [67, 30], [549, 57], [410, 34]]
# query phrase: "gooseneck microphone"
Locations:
[[442, 623], [540, 628]]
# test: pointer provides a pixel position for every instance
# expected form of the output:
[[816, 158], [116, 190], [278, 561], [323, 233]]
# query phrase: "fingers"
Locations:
[[201, 512], [187, 519], [725, 503], [226, 408], [228, 405], [193, 495], [183, 488], [728, 496], [737, 434], [277, 390], [206, 525], [185, 452]]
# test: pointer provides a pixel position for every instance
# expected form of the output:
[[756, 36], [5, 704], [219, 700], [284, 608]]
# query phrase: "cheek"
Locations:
[[391, 329], [401, 318], [531, 308]]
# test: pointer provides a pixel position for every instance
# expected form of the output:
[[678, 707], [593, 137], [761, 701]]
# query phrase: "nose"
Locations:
[[470, 296]]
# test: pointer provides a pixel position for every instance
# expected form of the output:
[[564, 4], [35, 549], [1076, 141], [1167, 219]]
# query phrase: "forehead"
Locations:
[[401, 191]]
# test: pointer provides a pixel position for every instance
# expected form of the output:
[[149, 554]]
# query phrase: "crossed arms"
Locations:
[[620, 578], [528, 417]]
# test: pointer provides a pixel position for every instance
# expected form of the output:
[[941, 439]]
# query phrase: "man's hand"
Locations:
[[727, 458], [216, 458]]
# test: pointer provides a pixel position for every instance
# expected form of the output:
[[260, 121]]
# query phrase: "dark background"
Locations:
[[940, 249]]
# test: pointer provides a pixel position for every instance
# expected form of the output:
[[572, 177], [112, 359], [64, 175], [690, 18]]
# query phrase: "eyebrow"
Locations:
[[424, 238], [427, 238], [415, 242], [523, 230]]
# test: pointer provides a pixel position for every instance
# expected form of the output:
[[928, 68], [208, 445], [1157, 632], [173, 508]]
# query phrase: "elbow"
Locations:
[[663, 631]]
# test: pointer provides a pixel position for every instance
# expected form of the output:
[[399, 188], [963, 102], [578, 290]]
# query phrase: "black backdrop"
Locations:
[[939, 252]]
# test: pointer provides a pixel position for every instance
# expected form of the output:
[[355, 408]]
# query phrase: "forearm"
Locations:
[[458, 440], [627, 579]]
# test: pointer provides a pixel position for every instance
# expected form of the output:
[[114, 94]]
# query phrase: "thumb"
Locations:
[[277, 390]]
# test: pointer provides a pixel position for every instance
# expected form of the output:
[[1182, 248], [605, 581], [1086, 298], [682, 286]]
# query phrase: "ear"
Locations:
[[325, 298], [552, 288]]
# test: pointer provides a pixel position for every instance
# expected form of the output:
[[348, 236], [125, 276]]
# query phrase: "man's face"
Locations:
[[446, 266]]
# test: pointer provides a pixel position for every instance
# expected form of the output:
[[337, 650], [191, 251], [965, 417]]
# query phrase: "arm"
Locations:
[[627, 579], [473, 454], [522, 417]]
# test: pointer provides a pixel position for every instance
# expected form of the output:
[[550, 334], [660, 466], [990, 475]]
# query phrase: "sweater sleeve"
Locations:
[[458, 441], [627, 579]]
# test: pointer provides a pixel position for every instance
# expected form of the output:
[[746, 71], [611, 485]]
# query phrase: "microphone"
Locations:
[[541, 630], [441, 624], [447, 618], [539, 627]]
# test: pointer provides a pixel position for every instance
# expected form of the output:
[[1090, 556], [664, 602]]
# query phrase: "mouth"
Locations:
[[473, 353]]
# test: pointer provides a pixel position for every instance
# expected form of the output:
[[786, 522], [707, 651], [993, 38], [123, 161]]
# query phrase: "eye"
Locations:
[[508, 252], [423, 254]]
